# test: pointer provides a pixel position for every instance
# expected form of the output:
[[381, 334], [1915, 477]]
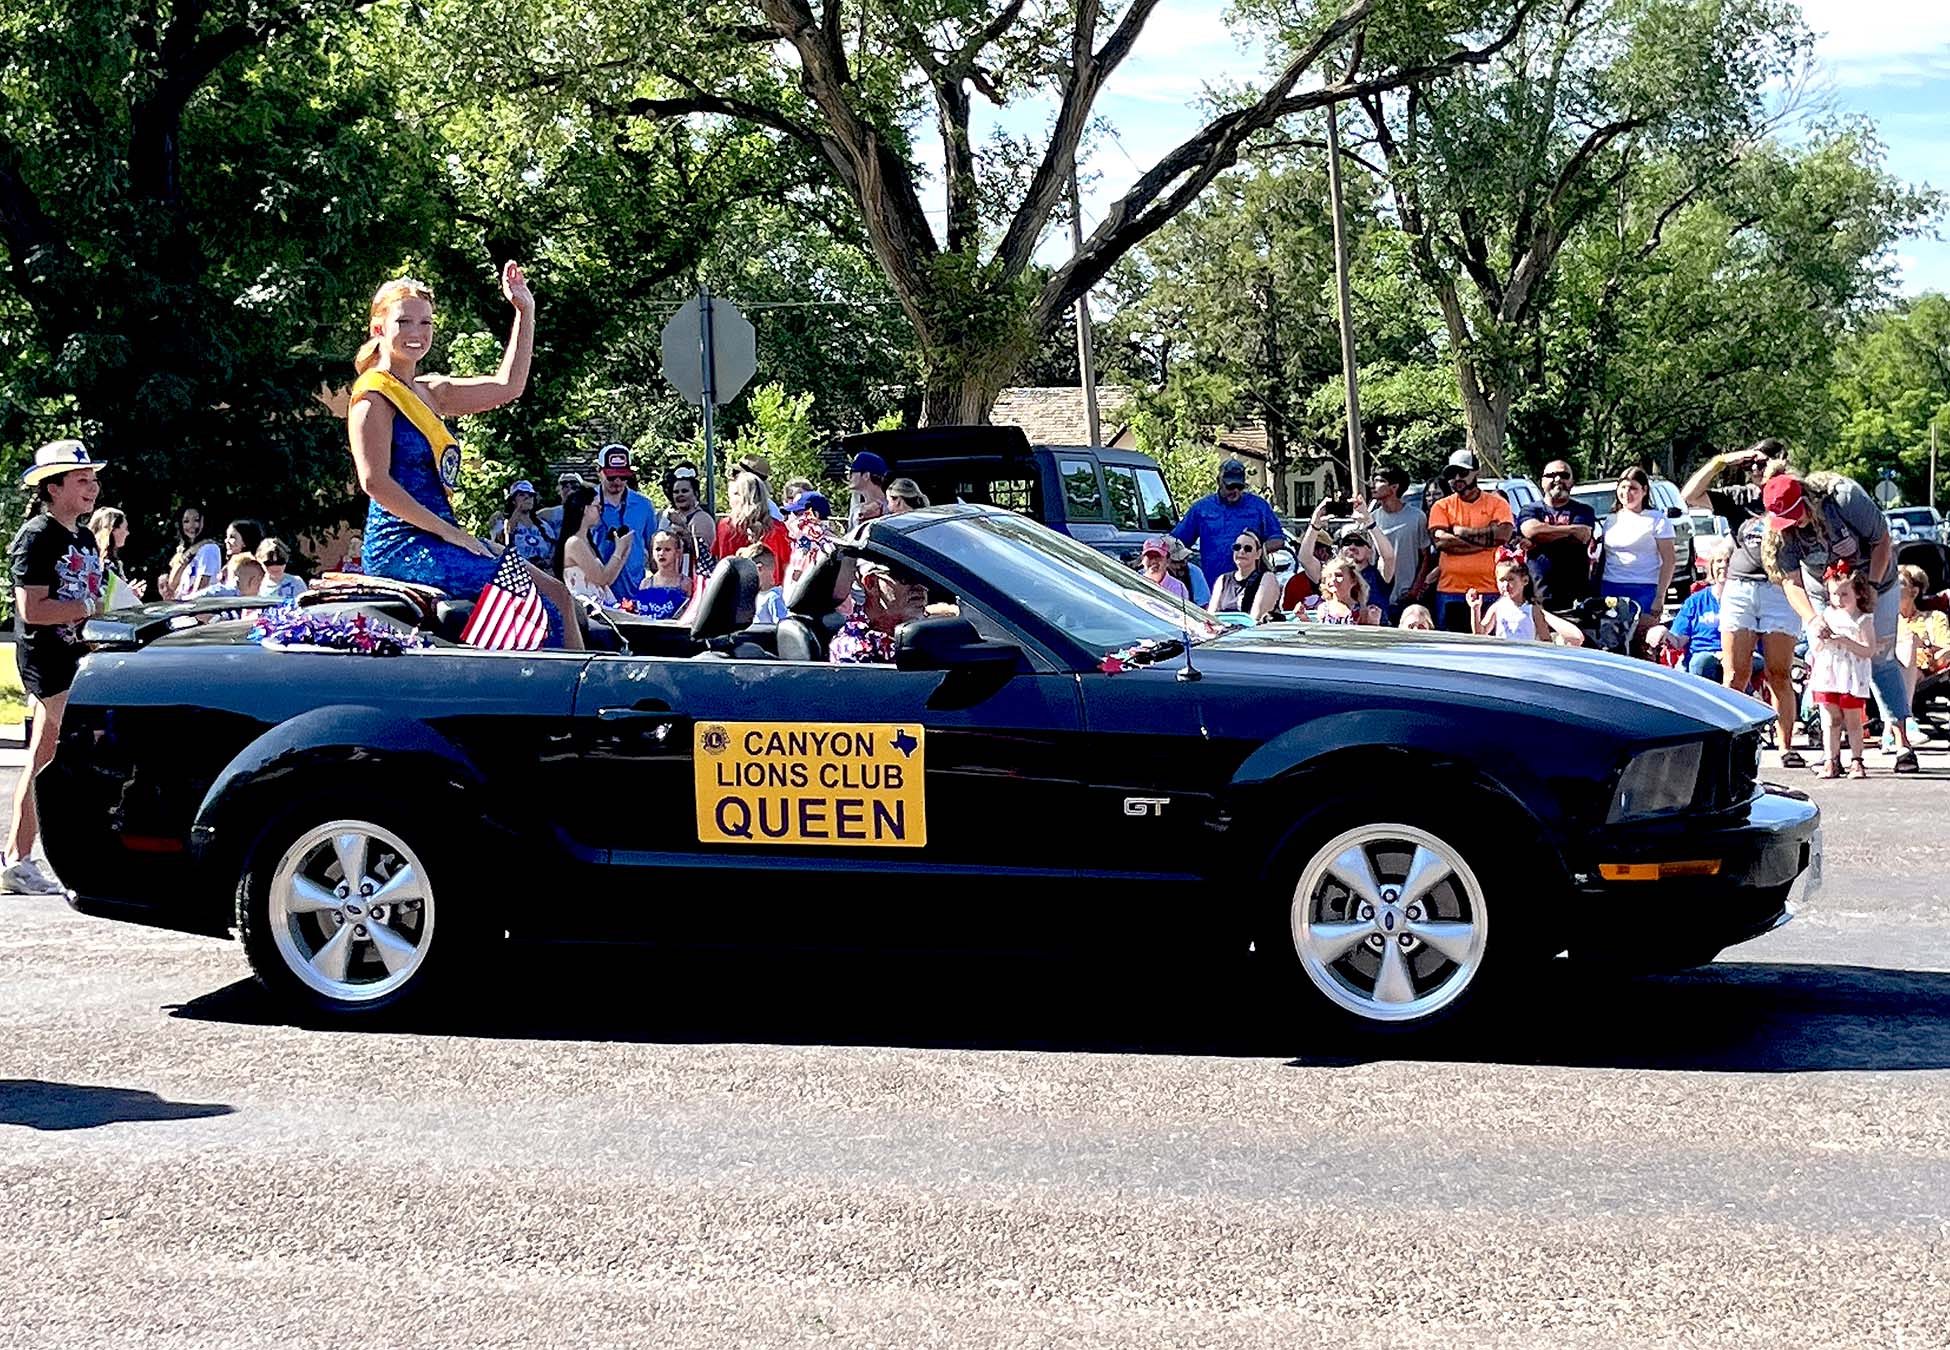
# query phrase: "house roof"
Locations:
[[1055, 415], [1247, 441]]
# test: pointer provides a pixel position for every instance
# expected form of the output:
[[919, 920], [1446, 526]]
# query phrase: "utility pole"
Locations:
[[1086, 357], [1348, 369], [1933, 464]]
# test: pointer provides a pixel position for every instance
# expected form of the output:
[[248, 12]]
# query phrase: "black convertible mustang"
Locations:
[[1386, 821]]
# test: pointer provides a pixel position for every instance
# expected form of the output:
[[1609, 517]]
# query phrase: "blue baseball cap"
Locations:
[[868, 462], [1232, 471], [811, 501]]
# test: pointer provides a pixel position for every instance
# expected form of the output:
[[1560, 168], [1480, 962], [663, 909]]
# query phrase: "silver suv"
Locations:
[[1917, 522]]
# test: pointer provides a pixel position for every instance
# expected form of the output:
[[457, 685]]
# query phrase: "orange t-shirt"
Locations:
[[1461, 571]]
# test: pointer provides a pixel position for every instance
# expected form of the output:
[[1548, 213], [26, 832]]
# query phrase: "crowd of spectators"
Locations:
[[1799, 601]]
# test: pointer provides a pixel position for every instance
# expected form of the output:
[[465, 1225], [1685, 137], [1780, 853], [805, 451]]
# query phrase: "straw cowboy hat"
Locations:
[[59, 457]]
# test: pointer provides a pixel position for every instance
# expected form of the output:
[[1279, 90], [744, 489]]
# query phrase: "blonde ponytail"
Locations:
[[383, 299]]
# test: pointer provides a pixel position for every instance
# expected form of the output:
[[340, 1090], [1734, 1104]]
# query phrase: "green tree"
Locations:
[[1714, 320], [193, 197], [1892, 388], [1240, 284], [848, 87], [1494, 172], [1238, 292]]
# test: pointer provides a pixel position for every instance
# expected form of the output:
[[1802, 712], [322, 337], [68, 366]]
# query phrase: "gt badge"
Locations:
[[1145, 806]]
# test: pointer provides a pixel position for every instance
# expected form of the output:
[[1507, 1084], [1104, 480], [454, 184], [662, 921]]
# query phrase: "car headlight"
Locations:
[[1657, 783]]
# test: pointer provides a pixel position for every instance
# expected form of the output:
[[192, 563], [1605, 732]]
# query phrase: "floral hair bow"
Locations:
[[1512, 552], [1837, 571]]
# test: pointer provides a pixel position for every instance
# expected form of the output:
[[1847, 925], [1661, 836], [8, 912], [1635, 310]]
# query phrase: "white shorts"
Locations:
[[1749, 606]]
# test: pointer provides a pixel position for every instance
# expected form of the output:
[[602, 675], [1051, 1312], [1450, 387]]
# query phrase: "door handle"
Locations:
[[643, 707]]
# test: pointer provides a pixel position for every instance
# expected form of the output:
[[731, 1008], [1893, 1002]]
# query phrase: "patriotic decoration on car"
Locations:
[[509, 616], [288, 628]]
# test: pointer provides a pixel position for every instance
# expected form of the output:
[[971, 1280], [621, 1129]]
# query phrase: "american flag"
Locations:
[[509, 614]]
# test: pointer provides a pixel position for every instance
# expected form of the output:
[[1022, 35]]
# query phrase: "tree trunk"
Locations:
[[949, 401], [1486, 415]]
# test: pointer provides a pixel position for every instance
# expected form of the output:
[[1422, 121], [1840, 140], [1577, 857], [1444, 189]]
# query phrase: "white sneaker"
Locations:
[[26, 878]]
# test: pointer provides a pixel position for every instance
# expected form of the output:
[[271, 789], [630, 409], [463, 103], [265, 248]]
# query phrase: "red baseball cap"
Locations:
[[1786, 506], [615, 459]]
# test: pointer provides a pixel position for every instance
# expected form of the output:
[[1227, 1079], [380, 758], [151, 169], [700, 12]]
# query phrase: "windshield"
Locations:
[[1602, 500], [1915, 515], [1100, 604]]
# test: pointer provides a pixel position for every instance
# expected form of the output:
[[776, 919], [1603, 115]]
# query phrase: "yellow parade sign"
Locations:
[[832, 783]]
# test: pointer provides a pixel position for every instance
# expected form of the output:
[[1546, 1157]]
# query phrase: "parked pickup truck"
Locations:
[[1109, 499]]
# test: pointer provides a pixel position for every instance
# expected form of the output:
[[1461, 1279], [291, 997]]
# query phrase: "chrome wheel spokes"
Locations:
[[350, 911], [1389, 922]]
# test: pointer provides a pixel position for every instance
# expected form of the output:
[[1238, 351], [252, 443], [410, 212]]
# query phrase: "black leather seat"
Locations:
[[451, 616], [812, 610], [729, 603], [816, 593], [800, 639]]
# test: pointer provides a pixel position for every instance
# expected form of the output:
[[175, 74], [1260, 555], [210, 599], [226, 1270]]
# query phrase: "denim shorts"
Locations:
[[1750, 606]]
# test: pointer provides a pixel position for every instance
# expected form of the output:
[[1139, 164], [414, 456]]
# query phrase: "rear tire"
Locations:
[[355, 915], [1382, 920]]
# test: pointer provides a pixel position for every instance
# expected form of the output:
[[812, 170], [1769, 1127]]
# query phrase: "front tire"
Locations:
[[342, 915], [1387, 922]]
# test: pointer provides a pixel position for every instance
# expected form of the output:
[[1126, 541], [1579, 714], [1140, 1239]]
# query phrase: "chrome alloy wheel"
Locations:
[[1389, 923], [350, 911]]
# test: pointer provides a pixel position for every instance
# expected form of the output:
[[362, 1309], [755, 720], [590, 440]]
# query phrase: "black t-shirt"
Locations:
[[1560, 569], [1740, 506], [59, 564]]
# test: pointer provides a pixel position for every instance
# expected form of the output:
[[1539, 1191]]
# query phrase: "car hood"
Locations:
[[1578, 683]]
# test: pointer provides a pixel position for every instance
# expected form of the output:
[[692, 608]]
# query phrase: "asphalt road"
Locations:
[[732, 1152]]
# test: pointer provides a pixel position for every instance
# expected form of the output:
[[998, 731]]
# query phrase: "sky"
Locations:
[[1886, 59]]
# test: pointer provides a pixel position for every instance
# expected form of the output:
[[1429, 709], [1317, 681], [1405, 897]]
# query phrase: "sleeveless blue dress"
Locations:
[[404, 552]]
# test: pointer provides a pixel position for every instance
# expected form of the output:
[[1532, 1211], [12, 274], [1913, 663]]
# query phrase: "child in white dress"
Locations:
[[1515, 616], [1841, 640]]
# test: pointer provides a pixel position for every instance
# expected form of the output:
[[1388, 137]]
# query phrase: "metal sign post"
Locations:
[[1886, 492], [709, 352], [707, 377]]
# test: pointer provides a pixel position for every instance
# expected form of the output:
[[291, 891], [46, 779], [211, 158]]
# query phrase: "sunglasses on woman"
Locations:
[[1244, 548]]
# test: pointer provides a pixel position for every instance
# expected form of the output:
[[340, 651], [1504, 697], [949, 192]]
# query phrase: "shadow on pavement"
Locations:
[[1735, 1017], [80, 1106]]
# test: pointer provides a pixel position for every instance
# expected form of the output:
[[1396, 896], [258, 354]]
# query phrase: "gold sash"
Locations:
[[425, 421]]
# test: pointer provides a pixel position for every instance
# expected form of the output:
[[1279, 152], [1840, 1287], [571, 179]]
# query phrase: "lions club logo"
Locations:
[[714, 740]]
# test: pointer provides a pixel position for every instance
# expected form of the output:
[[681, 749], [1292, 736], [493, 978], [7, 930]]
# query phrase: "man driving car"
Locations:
[[893, 595]]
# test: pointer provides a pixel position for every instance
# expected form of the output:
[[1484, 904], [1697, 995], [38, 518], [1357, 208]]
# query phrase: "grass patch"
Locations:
[[13, 699]]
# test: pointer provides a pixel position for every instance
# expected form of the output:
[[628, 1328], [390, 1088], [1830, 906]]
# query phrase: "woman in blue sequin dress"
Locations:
[[408, 461]]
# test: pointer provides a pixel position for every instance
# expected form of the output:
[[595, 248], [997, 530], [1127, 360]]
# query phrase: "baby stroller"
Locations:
[[1609, 625], [1931, 704]]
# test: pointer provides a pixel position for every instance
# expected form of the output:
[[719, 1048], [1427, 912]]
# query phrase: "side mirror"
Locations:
[[107, 633], [948, 644]]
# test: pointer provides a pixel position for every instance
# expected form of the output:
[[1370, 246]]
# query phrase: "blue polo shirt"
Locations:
[[637, 513], [1210, 526]]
